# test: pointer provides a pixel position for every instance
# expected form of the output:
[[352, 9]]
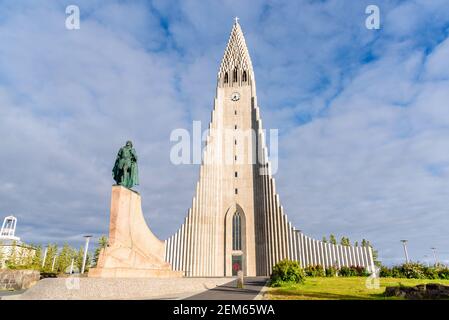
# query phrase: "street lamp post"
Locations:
[[45, 257], [404, 243], [434, 250], [86, 247], [71, 266], [54, 260], [426, 260]]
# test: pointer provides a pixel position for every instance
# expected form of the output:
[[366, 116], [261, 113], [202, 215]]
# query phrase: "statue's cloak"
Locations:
[[131, 177]]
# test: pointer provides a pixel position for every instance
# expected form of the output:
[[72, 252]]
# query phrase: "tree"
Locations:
[[2, 255], [332, 239], [345, 241], [64, 259], [102, 243], [376, 261], [11, 260], [364, 243], [324, 239], [27, 256], [52, 251], [79, 259], [36, 261]]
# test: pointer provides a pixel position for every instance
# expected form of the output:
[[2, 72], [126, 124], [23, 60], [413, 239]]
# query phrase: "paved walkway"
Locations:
[[5, 293], [229, 291], [117, 288]]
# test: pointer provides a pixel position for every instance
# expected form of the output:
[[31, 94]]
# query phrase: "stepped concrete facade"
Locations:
[[236, 221]]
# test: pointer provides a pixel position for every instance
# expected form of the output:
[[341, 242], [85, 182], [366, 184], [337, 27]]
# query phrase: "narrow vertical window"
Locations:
[[244, 76], [236, 232], [236, 191], [235, 112], [226, 79], [236, 174], [234, 77]]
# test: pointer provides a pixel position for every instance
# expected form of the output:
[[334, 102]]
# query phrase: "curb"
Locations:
[[261, 294]]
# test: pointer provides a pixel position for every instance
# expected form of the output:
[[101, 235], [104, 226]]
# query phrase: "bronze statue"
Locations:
[[125, 172]]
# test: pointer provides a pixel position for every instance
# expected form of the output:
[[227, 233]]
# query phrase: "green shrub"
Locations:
[[358, 271], [331, 272], [385, 272], [443, 273], [315, 271], [286, 271], [396, 272], [344, 272], [413, 271], [430, 273], [353, 271]]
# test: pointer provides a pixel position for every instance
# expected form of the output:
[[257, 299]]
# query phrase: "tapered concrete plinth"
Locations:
[[133, 250]]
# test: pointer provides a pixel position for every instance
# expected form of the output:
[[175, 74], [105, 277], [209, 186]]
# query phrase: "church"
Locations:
[[236, 221]]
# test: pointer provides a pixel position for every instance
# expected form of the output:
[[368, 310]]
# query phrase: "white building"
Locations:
[[8, 230], [10, 245]]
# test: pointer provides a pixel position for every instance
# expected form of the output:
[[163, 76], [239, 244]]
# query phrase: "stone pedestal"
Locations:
[[133, 250]]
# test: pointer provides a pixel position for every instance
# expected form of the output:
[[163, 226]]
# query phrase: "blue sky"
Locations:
[[363, 115]]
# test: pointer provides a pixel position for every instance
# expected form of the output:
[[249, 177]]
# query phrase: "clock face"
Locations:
[[235, 96]]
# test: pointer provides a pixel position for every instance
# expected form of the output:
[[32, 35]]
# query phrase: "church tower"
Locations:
[[236, 221]]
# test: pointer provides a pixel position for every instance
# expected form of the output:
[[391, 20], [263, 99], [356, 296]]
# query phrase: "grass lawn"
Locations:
[[341, 288]]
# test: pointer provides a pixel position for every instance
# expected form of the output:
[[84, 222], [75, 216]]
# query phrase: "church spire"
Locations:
[[236, 66]]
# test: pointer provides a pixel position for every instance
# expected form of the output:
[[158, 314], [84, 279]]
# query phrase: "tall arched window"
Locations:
[[234, 78], [244, 76], [226, 80], [236, 232]]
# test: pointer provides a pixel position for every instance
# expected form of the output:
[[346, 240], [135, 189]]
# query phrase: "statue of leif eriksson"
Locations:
[[125, 172]]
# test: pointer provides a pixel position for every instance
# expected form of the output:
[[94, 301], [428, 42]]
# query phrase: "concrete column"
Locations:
[[189, 250], [278, 231], [284, 231], [174, 260], [365, 257], [309, 250], [202, 202], [303, 253], [329, 254], [168, 245], [345, 252], [315, 253], [181, 248], [293, 243], [339, 259], [323, 257], [371, 259]]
